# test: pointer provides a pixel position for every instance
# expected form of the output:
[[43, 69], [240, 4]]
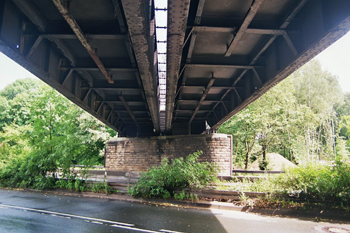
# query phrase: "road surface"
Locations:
[[22, 211]]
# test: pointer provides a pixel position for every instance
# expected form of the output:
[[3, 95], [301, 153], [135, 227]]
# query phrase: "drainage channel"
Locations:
[[121, 225]]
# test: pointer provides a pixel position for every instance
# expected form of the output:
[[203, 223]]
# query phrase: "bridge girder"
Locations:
[[221, 56], [247, 47]]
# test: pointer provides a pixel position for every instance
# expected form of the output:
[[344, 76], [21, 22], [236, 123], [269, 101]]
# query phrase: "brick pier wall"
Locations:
[[140, 154]]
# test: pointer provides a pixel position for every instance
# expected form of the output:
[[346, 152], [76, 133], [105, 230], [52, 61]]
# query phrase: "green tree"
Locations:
[[320, 91], [343, 114], [14, 142], [272, 121], [16, 100], [63, 134], [20, 86], [4, 116], [244, 128], [344, 108], [297, 118], [45, 132]]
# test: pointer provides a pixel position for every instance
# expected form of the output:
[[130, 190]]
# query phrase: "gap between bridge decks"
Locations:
[[161, 24]]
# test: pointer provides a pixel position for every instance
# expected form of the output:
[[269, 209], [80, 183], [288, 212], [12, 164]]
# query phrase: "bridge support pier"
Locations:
[[140, 154]]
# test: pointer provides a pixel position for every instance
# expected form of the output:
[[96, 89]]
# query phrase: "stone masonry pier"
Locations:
[[140, 154]]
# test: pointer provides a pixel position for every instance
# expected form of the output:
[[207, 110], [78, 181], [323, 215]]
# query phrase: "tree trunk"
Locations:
[[249, 150], [263, 165], [264, 152], [333, 138]]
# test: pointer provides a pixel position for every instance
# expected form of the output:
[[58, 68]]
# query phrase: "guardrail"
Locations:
[[254, 171], [94, 166]]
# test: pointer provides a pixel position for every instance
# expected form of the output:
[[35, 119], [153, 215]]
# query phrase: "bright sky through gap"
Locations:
[[10, 71], [335, 59], [161, 23]]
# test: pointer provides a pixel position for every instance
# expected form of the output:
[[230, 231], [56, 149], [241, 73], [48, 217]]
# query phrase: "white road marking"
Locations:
[[135, 229], [97, 222], [87, 219], [58, 214], [169, 231]]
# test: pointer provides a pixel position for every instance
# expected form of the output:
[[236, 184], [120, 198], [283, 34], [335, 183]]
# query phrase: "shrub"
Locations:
[[185, 196], [98, 187], [61, 183], [319, 181], [178, 174]]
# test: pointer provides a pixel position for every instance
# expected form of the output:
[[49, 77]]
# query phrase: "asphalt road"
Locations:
[[22, 211]]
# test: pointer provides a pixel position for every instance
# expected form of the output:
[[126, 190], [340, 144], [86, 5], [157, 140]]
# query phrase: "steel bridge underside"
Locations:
[[221, 55]]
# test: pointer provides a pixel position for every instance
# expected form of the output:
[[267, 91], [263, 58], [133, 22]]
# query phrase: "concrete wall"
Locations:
[[139, 154]]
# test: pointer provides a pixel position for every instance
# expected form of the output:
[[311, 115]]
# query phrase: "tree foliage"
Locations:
[[20, 86], [42, 131], [299, 118]]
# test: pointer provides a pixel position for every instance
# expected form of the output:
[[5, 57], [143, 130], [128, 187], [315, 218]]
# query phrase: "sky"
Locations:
[[335, 59], [10, 71]]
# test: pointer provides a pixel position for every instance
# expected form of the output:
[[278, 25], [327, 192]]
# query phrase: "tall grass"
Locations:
[[318, 181], [312, 181]]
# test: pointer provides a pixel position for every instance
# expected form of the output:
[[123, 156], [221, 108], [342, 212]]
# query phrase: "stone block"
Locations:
[[139, 154]]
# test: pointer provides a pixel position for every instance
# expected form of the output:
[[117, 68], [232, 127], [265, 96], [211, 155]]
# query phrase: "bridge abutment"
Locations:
[[140, 154]]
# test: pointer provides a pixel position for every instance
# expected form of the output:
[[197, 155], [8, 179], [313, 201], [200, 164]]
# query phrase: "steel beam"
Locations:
[[82, 38], [196, 101], [47, 70], [87, 95], [214, 29], [290, 44], [29, 10], [212, 87], [66, 52], [191, 47], [134, 112], [110, 69], [238, 95], [64, 81], [34, 47], [276, 32], [128, 109], [112, 88], [119, 102], [249, 17], [284, 25], [293, 13], [205, 93], [89, 36], [330, 35], [200, 7], [248, 67], [138, 23], [99, 108], [192, 111], [177, 21], [118, 13]]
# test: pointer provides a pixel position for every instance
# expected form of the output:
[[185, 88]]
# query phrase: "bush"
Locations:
[[185, 196], [98, 187], [178, 174], [12, 175], [316, 181]]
